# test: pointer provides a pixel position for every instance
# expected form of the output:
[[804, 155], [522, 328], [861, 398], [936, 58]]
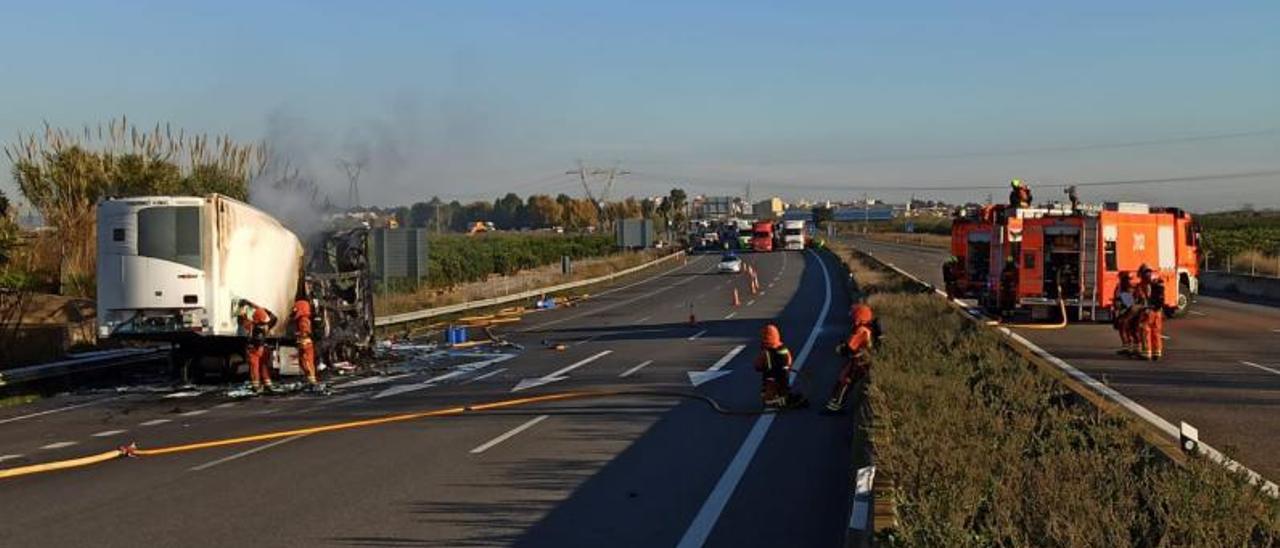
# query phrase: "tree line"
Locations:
[[64, 173], [538, 211]]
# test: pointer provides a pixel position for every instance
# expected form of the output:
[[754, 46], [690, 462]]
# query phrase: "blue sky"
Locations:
[[467, 99]]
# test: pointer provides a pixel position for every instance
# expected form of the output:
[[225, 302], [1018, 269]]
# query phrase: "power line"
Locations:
[[724, 183]]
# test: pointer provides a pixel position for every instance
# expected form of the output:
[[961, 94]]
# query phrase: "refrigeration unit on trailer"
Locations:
[[177, 268]]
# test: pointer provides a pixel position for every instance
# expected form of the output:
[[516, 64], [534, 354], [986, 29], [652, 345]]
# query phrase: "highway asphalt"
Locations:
[[1221, 371], [639, 469]]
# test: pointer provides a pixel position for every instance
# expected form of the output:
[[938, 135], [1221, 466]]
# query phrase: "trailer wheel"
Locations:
[[1183, 302]]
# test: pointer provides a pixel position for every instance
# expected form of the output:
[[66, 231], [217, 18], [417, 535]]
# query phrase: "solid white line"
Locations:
[[486, 375], [195, 413], [695, 336], [58, 410], [1262, 367], [700, 529], [154, 422], [642, 365], [58, 445], [9, 457], [509, 434], [730, 315], [246, 453], [106, 433]]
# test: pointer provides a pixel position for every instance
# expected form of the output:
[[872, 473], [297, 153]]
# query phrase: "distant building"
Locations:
[[868, 213], [716, 207], [768, 209]]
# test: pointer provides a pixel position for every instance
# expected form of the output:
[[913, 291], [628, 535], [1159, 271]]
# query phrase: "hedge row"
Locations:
[[456, 259]]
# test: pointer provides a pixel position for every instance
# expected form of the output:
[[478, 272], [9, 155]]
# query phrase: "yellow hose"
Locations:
[[131, 451], [1062, 312], [62, 464]]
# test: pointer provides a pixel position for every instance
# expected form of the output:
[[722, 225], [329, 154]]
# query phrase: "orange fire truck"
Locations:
[[1035, 256]]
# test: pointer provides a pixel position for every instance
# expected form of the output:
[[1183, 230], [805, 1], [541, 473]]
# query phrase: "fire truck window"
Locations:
[[1029, 260], [117, 235], [170, 234], [1111, 256]]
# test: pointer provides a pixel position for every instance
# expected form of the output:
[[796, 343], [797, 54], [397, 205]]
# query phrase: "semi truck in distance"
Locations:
[[793, 235], [762, 236]]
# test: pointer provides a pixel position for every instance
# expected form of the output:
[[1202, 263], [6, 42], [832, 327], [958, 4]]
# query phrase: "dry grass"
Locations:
[[1255, 263], [525, 280], [926, 240], [988, 451]]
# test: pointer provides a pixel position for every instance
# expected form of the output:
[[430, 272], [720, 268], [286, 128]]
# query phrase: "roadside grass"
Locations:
[[18, 399], [985, 450]]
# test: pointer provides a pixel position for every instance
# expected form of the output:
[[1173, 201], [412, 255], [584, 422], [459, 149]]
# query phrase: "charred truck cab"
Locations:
[[1040, 255]]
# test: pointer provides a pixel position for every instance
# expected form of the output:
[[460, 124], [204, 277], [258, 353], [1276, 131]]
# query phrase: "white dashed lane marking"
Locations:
[[108, 433], [155, 422], [695, 336], [59, 445], [509, 434], [631, 371]]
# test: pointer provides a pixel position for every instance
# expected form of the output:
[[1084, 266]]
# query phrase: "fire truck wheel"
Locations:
[[1184, 302]]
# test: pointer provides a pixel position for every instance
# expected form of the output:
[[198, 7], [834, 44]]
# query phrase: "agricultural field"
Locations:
[[1243, 241]]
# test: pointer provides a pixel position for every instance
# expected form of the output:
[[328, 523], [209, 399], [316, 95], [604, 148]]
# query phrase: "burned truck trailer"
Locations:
[[176, 269], [340, 285]]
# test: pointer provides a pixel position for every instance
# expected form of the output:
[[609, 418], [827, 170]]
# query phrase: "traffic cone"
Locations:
[[736, 301]]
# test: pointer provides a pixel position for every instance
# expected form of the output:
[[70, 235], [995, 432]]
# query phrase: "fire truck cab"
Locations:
[[971, 245], [1040, 255]]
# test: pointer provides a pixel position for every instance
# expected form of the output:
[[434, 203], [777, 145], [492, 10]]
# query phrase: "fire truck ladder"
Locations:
[[1089, 265]]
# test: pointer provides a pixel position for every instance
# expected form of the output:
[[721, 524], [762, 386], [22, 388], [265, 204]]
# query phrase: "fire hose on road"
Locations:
[[132, 450]]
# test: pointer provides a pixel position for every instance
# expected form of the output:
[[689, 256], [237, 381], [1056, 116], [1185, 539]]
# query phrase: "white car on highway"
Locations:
[[730, 263]]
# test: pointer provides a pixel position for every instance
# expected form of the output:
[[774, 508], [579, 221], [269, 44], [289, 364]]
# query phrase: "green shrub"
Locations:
[[456, 259]]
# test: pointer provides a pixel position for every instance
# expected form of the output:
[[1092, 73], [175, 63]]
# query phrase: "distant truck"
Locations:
[[762, 236], [1035, 257], [793, 235], [177, 268]]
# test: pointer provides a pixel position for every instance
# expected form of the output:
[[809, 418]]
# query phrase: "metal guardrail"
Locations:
[[417, 315], [82, 363]]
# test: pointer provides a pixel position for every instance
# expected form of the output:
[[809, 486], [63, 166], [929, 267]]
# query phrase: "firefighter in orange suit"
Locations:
[[302, 334], [1125, 312], [1019, 194], [1151, 330], [774, 365], [856, 351], [257, 322]]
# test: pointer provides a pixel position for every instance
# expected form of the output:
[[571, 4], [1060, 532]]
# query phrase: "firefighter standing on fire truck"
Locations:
[[1019, 194]]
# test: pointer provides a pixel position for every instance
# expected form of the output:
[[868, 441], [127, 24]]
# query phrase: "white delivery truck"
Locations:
[[793, 235], [176, 268]]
